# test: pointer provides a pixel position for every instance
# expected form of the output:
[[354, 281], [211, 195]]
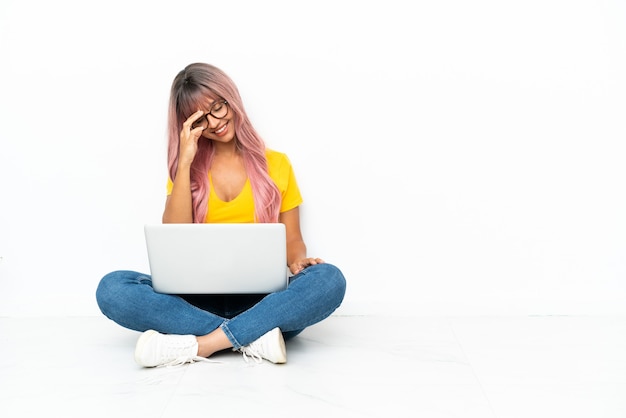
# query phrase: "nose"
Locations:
[[212, 120]]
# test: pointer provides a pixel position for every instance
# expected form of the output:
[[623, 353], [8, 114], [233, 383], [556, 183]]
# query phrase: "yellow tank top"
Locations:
[[241, 208]]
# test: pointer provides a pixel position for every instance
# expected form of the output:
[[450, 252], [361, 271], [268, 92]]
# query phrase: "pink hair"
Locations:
[[190, 90]]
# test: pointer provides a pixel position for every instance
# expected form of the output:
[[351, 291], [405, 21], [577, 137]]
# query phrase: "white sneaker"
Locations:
[[270, 346], [155, 350]]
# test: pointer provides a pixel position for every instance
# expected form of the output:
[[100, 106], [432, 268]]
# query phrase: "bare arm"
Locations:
[[297, 259], [178, 206]]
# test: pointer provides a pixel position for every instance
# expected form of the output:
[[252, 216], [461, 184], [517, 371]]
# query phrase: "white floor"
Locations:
[[343, 367]]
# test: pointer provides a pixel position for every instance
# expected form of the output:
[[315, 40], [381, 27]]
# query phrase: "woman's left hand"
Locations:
[[299, 265]]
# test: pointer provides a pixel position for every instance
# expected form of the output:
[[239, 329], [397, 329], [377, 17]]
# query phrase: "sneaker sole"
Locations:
[[141, 342], [282, 358]]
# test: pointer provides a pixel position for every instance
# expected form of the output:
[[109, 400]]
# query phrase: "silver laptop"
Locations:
[[217, 258]]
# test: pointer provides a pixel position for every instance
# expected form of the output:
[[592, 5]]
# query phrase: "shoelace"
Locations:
[[186, 359], [250, 353]]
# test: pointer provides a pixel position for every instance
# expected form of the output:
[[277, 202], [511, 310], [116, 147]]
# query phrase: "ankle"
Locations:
[[212, 343]]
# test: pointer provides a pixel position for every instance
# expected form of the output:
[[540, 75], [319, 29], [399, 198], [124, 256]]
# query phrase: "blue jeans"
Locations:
[[127, 298]]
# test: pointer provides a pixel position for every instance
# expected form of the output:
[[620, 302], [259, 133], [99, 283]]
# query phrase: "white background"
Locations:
[[456, 157]]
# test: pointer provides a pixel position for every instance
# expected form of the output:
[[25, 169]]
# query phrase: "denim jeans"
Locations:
[[127, 298]]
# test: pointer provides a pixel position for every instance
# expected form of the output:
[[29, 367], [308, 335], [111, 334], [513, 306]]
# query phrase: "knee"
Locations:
[[333, 280], [105, 289], [109, 289]]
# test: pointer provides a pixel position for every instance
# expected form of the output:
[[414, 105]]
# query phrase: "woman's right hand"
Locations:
[[189, 139]]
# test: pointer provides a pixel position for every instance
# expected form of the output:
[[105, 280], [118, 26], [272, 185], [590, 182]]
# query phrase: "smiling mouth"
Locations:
[[221, 129]]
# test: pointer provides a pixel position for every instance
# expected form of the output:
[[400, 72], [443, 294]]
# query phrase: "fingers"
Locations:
[[312, 261], [188, 125], [192, 119], [189, 139], [299, 265]]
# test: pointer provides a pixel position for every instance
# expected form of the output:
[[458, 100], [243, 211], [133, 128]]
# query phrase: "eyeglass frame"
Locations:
[[210, 112]]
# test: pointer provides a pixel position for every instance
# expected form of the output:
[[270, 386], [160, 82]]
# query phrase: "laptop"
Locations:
[[224, 258]]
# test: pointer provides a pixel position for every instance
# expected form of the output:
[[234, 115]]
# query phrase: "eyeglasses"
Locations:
[[218, 111]]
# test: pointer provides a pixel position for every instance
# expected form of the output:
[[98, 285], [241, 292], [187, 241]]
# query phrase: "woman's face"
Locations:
[[217, 121]]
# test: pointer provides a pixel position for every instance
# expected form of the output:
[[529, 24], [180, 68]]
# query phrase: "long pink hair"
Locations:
[[190, 90]]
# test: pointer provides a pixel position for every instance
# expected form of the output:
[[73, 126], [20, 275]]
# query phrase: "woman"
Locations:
[[220, 171]]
